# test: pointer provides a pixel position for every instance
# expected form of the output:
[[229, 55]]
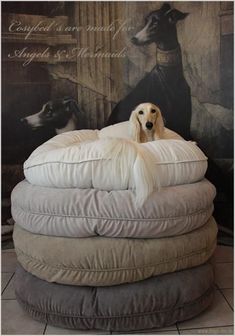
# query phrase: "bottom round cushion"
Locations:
[[153, 303], [100, 261]]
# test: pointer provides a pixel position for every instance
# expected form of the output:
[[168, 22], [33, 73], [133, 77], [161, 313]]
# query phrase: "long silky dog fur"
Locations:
[[129, 157]]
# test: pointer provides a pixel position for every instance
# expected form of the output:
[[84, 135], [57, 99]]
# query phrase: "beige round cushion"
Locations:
[[100, 261]]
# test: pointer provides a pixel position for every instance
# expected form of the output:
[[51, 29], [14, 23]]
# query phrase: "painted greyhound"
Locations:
[[165, 85], [60, 114]]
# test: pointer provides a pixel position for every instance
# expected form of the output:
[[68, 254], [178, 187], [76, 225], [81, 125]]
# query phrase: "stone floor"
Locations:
[[216, 320]]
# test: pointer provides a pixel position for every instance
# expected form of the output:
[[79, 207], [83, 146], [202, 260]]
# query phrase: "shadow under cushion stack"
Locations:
[[90, 259]]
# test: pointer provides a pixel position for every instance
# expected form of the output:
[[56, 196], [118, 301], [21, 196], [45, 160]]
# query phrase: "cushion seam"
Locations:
[[60, 162], [134, 315], [115, 218], [199, 252], [102, 159]]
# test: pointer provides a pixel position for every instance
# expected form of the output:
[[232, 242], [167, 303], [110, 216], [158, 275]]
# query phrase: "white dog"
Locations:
[[146, 123]]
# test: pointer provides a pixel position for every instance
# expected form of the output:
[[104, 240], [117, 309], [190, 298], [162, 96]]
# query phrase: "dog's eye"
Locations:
[[153, 111], [154, 21], [49, 113], [141, 112]]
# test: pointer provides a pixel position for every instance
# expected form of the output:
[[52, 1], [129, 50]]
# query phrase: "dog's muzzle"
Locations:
[[149, 125], [134, 40]]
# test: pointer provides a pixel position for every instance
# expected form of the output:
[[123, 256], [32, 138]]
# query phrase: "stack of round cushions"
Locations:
[[93, 254]]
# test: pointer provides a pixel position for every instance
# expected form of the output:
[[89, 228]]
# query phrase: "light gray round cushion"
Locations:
[[81, 213], [153, 303]]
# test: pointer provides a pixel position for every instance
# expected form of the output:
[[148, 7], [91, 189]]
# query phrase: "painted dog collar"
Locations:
[[169, 57]]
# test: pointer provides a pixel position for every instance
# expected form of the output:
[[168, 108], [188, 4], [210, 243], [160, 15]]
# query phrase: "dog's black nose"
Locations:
[[134, 40], [149, 125], [24, 121]]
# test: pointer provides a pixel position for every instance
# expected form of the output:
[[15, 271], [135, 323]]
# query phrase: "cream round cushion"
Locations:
[[91, 159]]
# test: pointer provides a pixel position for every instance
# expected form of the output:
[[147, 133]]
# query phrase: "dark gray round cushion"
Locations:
[[156, 302]]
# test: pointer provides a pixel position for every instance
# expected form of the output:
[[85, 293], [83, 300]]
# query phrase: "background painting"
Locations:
[[40, 71]]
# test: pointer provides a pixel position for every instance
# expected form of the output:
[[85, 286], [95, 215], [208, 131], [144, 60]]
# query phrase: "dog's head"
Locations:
[[159, 24], [146, 117], [55, 113]]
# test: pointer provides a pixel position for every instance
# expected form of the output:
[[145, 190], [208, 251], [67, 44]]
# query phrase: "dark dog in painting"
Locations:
[[165, 86], [60, 114]]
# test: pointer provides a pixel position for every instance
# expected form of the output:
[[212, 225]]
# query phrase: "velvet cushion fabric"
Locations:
[[152, 303], [79, 159], [78, 217], [88, 212], [100, 261]]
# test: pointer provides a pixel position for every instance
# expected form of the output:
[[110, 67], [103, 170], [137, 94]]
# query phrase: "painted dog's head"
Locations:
[[159, 25], [61, 114]]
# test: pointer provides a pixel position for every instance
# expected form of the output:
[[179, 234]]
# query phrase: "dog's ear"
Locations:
[[134, 126], [159, 127], [175, 15], [72, 106], [165, 7]]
